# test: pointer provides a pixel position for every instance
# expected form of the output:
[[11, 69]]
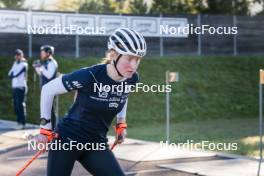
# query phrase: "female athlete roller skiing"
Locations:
[[92, 113]]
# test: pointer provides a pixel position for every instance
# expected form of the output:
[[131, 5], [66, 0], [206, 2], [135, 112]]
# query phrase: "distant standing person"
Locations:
[[47, 70], [18, 75]]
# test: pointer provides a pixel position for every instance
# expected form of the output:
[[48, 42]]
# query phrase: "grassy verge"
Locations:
[[242, 131]]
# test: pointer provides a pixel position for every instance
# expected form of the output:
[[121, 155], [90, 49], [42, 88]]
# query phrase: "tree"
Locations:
[[97, 6], [161, 6], [261, 2], [239, 7], [69, 5], [138, 7], [107, 6], [11, 3], [175, 6], [199, 5]]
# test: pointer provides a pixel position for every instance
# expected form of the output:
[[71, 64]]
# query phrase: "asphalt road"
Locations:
[[12, 161]]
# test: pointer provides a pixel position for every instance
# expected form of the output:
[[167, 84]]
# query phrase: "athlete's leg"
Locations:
[[101, 163], [61, 162], [21, 104], [53, 118], [15, 104]]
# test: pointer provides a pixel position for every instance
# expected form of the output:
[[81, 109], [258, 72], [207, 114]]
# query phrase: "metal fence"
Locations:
[[248, 41]]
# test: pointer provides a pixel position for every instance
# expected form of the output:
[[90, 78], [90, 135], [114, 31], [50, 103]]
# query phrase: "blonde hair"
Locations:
[[107, 59]]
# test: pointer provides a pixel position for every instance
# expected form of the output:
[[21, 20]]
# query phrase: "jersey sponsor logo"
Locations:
[[77, 84], [68, 85], [102, 94], [113, 105], [117, 93], [114, 99]]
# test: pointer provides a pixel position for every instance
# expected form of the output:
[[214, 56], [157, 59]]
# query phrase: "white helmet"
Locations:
[[128, 42]]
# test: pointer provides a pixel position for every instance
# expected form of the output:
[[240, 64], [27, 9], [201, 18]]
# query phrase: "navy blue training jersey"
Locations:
[[91, 114], [43, 79]]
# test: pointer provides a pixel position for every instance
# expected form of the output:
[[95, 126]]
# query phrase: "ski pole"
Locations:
[[113, 146], [28, 163]]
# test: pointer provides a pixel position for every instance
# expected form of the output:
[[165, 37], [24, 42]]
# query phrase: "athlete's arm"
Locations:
[[49, 72], [48, 92], [19, 73], [77, 79], [10, 73], [121, 124], [121, 116]]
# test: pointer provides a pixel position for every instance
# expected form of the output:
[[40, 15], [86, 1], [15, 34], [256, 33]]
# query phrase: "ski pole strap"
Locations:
[[120, 128], [50, 134]]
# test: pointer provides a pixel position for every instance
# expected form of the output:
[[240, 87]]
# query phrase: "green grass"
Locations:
[[243, 131], [216, 98]]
